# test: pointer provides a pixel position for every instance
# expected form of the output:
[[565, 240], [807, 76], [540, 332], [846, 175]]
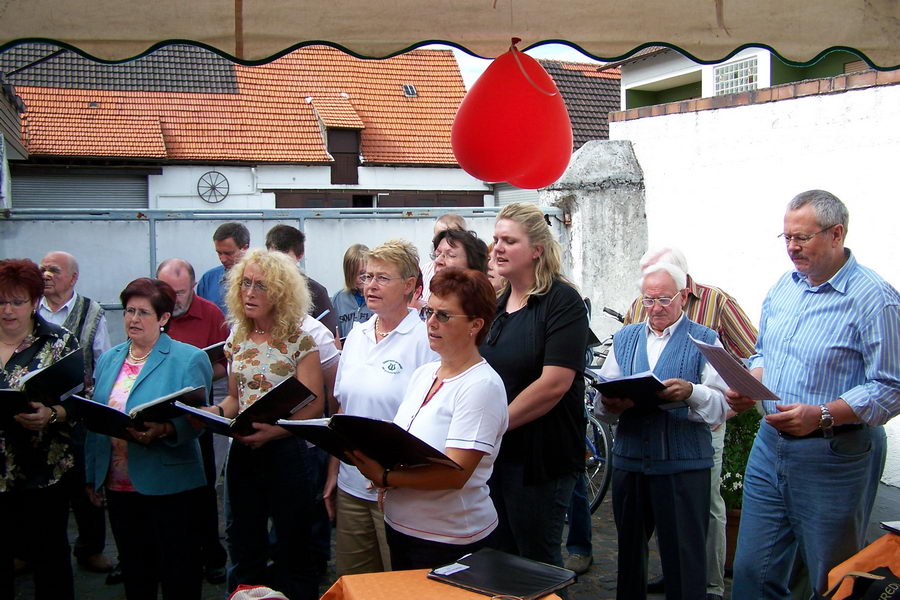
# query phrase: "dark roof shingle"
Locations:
[[590, 95]]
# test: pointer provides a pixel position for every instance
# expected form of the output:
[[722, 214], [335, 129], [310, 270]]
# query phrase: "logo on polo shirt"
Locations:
[[392, 367]]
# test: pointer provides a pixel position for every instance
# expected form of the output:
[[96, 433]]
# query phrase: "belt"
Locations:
[[837, 430]]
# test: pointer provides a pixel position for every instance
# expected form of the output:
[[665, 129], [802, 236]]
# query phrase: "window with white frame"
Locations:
[[738, 76]]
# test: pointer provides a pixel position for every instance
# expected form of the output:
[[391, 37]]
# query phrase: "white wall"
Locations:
[[717, 183], [176, 188], [654, 68]]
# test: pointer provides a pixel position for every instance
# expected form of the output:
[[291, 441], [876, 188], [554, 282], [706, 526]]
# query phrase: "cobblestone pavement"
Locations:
[[597, 584]]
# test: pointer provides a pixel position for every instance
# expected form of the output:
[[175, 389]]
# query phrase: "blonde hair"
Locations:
[[286, 289], [353, 258], [548, 266], [399, 253]]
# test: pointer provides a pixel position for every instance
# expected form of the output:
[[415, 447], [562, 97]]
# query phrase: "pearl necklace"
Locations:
[[259, 331], [137, 359], [378, 333]]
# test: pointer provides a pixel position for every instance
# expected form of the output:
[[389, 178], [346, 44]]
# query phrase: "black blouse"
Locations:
[[550, 330]]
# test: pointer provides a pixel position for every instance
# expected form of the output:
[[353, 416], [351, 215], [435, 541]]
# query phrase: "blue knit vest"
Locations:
[[662, 442]]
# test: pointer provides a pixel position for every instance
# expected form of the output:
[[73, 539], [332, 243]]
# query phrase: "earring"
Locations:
[[161, 328]]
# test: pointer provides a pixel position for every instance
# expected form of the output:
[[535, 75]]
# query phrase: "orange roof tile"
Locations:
[[337, 112], [269, 119]]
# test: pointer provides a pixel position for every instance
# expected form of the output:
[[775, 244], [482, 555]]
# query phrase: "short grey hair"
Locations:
[[677, 274], [673, 256], [829, 209]]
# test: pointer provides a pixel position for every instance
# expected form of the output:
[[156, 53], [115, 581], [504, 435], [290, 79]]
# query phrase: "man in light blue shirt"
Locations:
[[231, 240], [829, 347]]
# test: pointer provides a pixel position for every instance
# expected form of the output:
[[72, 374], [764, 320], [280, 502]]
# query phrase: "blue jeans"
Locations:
[[271, 482], [579, 539], [814, 495], [531, 517]]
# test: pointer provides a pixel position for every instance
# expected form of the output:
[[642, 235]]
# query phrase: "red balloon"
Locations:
[[513, 127]]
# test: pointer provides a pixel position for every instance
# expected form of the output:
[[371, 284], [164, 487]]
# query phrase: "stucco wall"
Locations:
[[176, 187], [717, 182]]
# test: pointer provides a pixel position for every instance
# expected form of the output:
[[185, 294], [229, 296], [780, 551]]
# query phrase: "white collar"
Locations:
[[67, 305], [667, 332]]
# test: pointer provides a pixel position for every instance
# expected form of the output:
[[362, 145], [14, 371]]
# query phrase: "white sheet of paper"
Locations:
[[735, 375]]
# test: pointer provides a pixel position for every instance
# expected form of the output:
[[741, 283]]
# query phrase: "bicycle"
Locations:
[[598, 438]]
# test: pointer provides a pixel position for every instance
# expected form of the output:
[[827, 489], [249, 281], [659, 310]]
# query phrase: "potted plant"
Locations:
[[739, 435]]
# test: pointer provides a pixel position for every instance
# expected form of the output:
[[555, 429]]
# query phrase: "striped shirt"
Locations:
[[840, 339], [713, 308]]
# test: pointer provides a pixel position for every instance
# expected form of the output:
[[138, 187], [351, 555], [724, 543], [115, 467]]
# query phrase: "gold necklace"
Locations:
[[137, 359]]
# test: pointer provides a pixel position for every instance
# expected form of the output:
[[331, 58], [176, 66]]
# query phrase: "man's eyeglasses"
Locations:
[[801, 239], [441, 315], [664, 302], [379, 279], [256, 285]]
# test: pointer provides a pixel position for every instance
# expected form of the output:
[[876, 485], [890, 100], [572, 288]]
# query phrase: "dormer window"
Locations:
[[409, 90]]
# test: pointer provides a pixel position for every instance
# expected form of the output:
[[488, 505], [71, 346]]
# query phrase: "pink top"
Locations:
[[117, 478]]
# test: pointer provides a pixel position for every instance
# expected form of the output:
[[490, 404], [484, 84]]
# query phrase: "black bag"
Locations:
[[880, 584]]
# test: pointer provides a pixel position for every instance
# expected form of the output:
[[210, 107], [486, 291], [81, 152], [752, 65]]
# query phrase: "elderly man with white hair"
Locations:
[[662, 458], [714, 308]]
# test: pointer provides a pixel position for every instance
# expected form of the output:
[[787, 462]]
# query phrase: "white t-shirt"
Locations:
[[372, 379], [468, 412], [324, 339]]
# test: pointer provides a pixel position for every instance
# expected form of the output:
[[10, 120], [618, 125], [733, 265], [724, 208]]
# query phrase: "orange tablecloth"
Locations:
[[883, 552], [398, 585]]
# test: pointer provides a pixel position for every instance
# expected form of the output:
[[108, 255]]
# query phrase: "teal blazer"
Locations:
[[166, 465]]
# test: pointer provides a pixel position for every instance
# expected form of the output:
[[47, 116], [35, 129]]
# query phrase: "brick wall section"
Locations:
[[799, 89]]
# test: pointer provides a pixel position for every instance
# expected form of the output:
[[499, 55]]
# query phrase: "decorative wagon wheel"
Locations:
[[213, 187]]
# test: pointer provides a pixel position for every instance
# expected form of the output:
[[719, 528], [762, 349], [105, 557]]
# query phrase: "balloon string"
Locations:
[[515, 53]]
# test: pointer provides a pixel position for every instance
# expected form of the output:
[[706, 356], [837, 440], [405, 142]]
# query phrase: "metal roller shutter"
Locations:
[[79, 191]]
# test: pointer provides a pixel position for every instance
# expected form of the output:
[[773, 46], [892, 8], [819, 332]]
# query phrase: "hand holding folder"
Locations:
[[280, 402], [50, 385], [102, 418]]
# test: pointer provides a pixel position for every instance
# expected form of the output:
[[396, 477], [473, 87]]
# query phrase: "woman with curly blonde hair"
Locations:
[[266, 474]]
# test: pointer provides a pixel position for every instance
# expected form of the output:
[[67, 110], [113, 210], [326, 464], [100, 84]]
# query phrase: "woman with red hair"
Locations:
[[435, 514], [35, 447]]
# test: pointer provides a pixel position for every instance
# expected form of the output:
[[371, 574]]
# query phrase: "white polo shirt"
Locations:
[[372, 379], [468, 412]]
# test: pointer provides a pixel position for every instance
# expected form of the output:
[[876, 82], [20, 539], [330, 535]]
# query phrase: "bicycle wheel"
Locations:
[[598, 454]]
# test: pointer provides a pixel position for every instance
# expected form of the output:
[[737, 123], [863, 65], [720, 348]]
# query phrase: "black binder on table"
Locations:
[[640, 387], [280, 402], [492, 572], [383, 441], [50, 385], [101, 418]]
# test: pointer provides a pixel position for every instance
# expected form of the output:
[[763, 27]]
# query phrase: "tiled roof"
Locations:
[[179, 68], [88, 135], [337, 112], [590, 95], [267, 120], [640, 54]]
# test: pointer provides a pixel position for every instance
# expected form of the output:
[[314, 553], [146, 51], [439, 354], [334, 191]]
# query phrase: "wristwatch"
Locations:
[[54, 416], [826, 422]]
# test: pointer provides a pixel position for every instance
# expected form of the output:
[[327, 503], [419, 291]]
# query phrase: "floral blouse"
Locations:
[[259, 367], [35, 459], [118, 479]]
